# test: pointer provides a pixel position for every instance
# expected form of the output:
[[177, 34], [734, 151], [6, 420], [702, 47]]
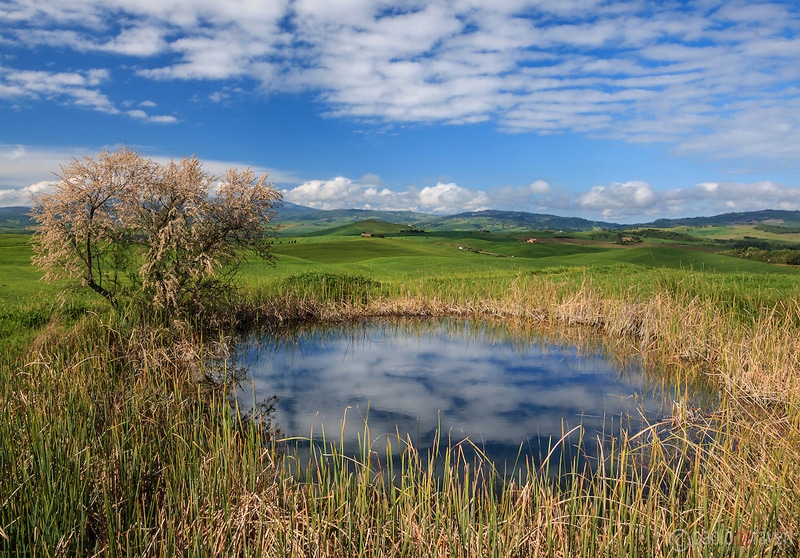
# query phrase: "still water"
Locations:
[[512, 394]]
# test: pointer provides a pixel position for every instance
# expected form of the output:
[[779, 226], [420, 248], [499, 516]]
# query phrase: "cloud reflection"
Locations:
[[461, 380]]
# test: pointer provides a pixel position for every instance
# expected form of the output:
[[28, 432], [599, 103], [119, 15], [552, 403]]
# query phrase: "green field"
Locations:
[[403, 255], [117, 435]]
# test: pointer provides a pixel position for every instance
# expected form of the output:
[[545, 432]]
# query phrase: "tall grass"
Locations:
[[118, 438]]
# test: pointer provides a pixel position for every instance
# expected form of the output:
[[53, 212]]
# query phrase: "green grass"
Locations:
[[17, 277], [355, 229], [358, 249], [116, 436]]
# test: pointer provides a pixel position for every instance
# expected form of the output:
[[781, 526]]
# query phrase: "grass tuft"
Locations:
[[118, 437]]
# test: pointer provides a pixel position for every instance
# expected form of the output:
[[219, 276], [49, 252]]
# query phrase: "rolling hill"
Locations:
[[300, 220], [305, 220], [15, 219]]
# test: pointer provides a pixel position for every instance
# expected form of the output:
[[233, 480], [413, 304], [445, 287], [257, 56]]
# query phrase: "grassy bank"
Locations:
[[117, 438]]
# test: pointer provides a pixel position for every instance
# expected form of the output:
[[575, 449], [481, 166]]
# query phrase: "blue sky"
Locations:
[[621, 111]]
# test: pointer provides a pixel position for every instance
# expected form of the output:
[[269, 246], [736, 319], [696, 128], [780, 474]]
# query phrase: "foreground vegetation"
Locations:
[[117, 435]]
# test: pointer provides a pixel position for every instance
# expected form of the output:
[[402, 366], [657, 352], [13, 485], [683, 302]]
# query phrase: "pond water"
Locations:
[[512, 394]]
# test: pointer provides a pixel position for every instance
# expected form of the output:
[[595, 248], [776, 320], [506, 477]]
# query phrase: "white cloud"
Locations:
[[346, 193], [137, 41], [81, 89], [328, 194], [23, 196], [539, 187], [637, 201], [740, 196], [625, 202], [619, 198], [25, 170], [21, 166], [162, 119], [451, 198], [139, 114], [721, 81], [367, 193]]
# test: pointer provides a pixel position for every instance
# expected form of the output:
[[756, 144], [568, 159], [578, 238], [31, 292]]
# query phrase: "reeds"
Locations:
[[117, 438]]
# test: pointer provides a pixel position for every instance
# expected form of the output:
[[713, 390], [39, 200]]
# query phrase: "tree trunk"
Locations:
[[102, 291]]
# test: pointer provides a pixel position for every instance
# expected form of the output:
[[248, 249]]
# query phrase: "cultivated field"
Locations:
[[117, 436]]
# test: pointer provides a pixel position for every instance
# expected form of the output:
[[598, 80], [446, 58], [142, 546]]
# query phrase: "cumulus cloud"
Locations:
[[619, 198], [719, 82], [740, 196], [539, 187], [22, 166], [80, 88], [23, 196], [330, 194], [139, 114], [637, 201], [626, 202], [367, 193], [25, 170], [346, 193], [448, 198]]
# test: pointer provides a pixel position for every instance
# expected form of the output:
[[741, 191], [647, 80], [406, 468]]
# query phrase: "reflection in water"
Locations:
[[470, 380]]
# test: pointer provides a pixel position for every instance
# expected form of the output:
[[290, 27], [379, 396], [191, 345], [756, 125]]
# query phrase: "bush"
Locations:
[[170, 236]]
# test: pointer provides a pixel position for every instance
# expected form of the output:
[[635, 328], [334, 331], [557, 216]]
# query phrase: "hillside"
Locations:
[[513, 221], [305, 220], [15, 219], [766, 216], [300, 220]]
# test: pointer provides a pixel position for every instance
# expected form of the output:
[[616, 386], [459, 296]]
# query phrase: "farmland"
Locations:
[[117, 434]]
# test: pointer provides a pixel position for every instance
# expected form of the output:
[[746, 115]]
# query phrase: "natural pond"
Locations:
[[512, 393]]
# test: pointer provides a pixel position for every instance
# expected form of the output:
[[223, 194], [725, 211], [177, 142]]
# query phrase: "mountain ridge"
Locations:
[[299, 219]]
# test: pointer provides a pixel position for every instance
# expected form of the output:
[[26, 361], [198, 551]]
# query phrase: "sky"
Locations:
[[622, 111]]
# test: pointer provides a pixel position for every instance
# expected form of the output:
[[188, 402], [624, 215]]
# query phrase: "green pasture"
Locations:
[[738, 232], [435, 264], [109, 444], [17, 277], [448, 260], [458, 251], [412, 255]]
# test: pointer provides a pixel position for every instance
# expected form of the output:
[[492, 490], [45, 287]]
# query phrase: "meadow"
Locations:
[[118, 435]]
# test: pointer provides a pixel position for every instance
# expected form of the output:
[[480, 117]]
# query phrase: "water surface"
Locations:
[[506, 391]]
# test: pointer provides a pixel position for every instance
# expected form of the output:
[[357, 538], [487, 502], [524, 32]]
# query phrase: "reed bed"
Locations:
[[119, 438]]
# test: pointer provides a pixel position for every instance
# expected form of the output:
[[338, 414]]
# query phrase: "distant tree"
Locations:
[[171, 235]]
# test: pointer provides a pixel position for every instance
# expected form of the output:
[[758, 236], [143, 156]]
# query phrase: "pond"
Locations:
[[513, 394]]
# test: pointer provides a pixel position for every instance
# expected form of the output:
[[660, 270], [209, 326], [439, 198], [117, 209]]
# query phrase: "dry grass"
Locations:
[[111, 446]]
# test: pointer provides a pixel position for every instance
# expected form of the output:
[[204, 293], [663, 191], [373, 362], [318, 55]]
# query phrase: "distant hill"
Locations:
[[303, 220], [300, 219], [297, 220], [766, 216], [513, 221], [15, 219]]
